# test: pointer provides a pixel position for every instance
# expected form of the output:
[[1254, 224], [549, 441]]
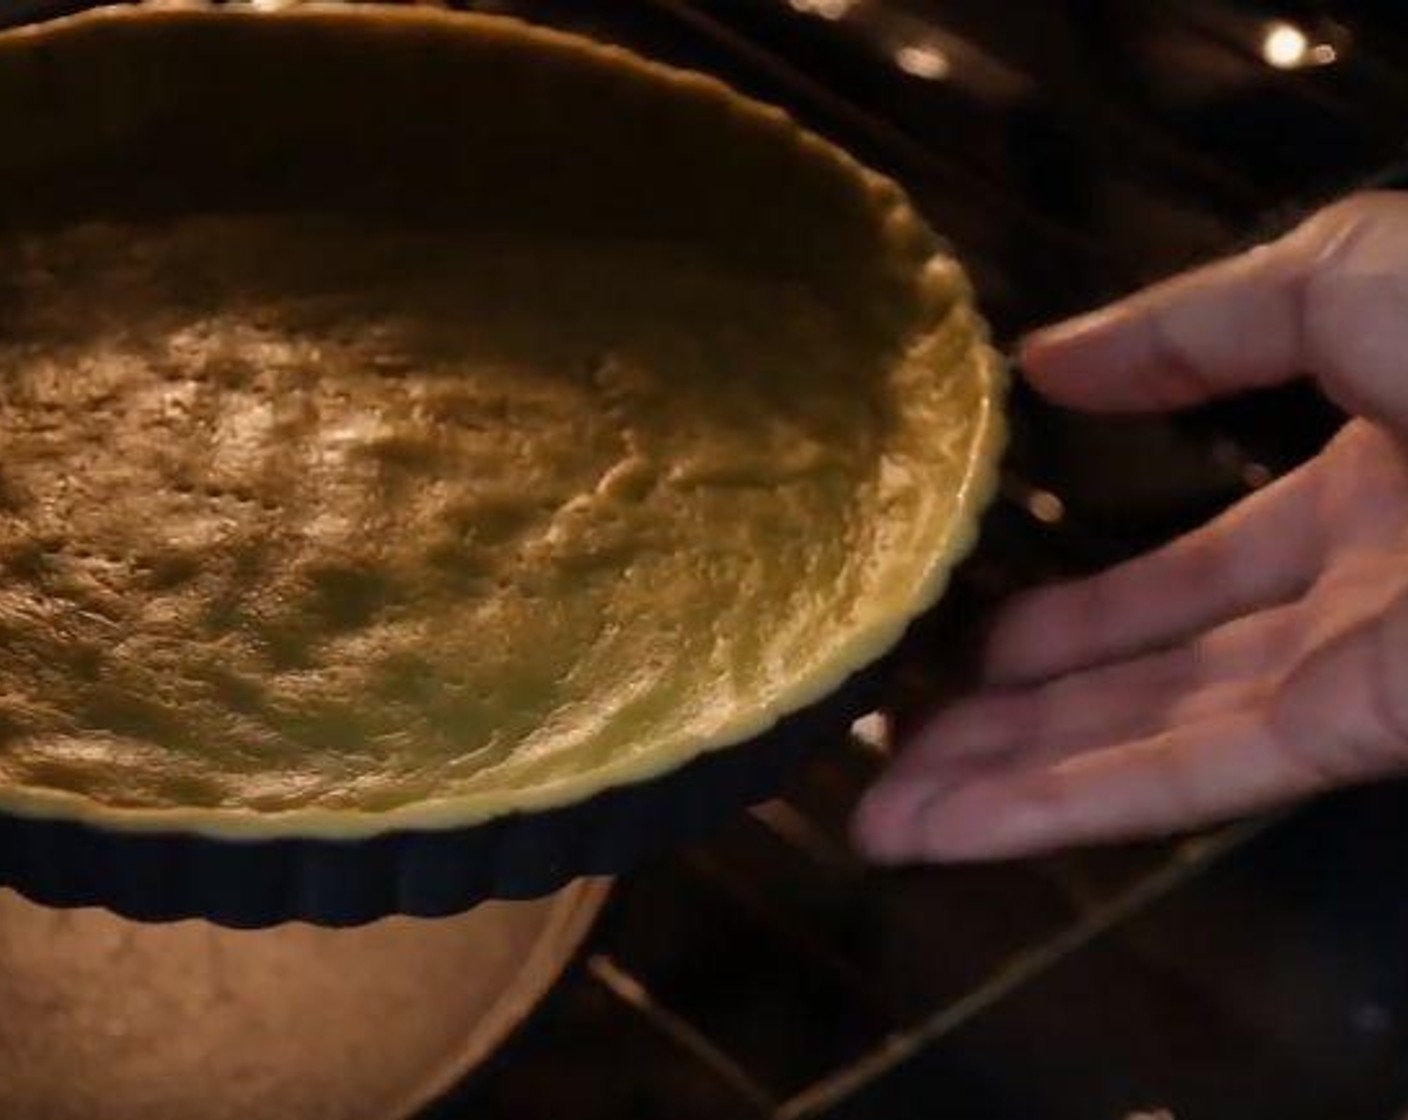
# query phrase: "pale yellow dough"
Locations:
[[322, 523]]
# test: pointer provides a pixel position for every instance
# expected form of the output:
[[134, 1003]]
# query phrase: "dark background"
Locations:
[[1071, 150]]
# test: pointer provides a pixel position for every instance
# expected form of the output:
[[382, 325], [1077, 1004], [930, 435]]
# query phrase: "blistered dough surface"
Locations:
[[301, 512]]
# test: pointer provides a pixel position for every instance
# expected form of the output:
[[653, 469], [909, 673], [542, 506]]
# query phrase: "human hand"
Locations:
[[1256, 661]]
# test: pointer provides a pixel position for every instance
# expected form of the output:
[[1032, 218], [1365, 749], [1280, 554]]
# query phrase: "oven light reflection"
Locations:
[[873, 731], [1286, 47], [1046, 507], [921, 60], [826, 9]]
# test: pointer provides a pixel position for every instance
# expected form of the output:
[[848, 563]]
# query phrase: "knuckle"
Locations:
[[1362, 202], [1319, 247], [1327, 227]]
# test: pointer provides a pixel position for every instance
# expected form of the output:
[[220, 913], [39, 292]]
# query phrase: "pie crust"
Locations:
[[413, 418]]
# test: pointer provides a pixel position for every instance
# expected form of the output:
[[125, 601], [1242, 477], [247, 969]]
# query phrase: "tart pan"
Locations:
[[84, 153], [166, 876]]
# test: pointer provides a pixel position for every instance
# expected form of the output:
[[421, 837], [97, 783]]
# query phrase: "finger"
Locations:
[[1229, 669], [1339, 718], [1264, 551], [1195, 774], [1224, 328], [1216, 672], [1113, 701], [1245, 322], [1233, 668], [889, 809]]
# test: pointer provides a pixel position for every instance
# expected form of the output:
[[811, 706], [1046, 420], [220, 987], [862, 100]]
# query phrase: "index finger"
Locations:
[[1234, 325]]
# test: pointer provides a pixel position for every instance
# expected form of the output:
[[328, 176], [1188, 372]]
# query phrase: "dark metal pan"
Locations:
[[170, 874]]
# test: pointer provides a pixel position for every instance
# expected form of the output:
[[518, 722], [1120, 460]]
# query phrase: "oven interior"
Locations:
[[1071, 151]]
